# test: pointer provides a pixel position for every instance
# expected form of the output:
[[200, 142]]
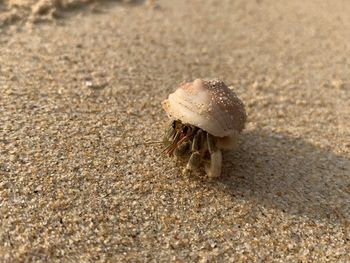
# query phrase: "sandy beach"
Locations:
[[81, 89]]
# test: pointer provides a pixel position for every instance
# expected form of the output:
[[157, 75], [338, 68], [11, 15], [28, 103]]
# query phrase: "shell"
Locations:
[[209, 105]]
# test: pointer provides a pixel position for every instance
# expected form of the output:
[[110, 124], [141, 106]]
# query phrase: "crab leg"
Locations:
[[195, 158], [214, 168], [182, 149]]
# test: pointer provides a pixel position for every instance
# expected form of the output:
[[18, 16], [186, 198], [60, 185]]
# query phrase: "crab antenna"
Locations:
[[141, 143]]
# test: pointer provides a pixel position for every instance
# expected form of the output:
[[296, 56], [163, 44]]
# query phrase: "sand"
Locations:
[[81, 81]]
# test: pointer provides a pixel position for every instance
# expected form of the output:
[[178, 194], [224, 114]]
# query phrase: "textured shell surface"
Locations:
[[209, 105]]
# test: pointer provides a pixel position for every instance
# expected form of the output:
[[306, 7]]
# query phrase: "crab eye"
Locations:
[[173, 124], [185, 129]]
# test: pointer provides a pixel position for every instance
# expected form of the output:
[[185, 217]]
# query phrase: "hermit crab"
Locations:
[[206, 117]]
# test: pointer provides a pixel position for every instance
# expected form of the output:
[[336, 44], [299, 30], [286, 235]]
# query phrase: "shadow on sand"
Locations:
[[288, 174]]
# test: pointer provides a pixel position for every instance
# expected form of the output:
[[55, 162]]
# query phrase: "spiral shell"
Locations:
[[209, 105]]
